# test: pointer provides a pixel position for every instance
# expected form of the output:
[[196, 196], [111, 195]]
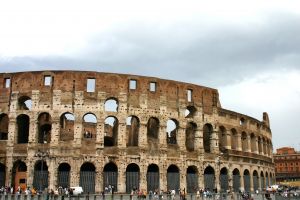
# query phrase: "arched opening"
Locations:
[[262, 181], [255, 180], [132, 129], [19, 177], [244, 142], [111, 105], [190, 133], [111, 131], [234, 139], [40, 178], [63, 175], [224, 179], [87, 177], [207, 138], [152, 133], [190, 111], [173, 178], [222, 139], [110, 177], [67, 126], [247, 180], [3, 127], [44, 128], [192, 179], [253, 143], [89, 126], [152, 178], [172, 126], [236, 180], [132, 177], [23, 128], [2, 174], [209, 178], [24, 103]]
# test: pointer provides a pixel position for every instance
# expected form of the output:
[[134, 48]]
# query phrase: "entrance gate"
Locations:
[[192, 179], [63, 179], [63, 175], [152, 178], [2, 175], [110, 179], [87, 177], [247, 183], [255, 182], [236, 180], [110, 176], [40, 179], [236, 183], [173, 178], [224, 179], [224, 182], [209, 178], [132, 177]]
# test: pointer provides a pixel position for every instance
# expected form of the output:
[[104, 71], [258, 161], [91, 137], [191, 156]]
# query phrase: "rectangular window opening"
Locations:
[[152, 86], [91, 85], [47, 80], [7, 83], [189, 95], [132, 84]]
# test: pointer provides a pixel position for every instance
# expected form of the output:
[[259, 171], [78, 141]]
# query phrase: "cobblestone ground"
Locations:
[[127, 197]]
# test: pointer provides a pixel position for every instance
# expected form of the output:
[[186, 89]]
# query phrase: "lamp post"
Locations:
[[41, 155]]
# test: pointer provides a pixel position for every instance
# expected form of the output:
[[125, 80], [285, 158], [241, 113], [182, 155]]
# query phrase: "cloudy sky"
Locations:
[[248, 50]]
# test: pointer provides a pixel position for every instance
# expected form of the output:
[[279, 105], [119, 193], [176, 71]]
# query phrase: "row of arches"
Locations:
[[250, 143], [111, 176]]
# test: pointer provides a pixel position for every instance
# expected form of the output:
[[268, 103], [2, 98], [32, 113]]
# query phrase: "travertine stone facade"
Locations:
[[127, 131]]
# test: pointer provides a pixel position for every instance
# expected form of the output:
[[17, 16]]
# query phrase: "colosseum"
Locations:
[[97, 130]]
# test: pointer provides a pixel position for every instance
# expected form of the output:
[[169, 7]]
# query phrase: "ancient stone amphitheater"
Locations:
[[97, 130]]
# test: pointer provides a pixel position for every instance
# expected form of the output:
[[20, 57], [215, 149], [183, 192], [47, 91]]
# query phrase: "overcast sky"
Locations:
[[248, 50]]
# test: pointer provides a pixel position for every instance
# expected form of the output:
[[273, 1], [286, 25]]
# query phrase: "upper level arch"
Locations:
[[207, 138]]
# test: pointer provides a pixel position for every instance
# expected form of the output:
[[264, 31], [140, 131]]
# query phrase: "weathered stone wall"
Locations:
[[205, 136]]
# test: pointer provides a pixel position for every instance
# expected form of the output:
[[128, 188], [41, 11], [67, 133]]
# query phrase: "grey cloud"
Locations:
[[197, 52]]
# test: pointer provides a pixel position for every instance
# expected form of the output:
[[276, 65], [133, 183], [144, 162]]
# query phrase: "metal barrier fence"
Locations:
[[212, 196]]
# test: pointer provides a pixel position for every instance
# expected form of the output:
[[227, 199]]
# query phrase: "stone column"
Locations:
[[12, 130], [251, 183], [55, 132], [8, 170], [122, 138], [122, 179], [75, 173], [77, 130], [239, 142], [98, 181], [214, 142], [163, 135], [33, 127], [198, 140], [249, 143], [181, 139], [100, 133], [143, 177], [52, 171], [163, 174], [143, 135], [30, 170], [228, 137], [242, 187]]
